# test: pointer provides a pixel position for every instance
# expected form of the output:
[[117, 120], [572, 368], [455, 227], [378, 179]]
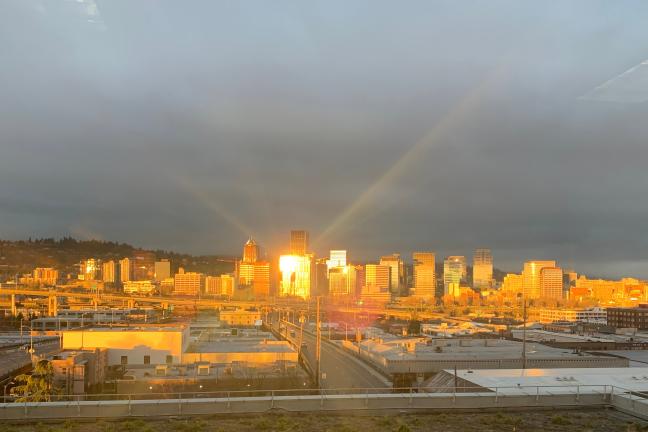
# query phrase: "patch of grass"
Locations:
[[560, 420]]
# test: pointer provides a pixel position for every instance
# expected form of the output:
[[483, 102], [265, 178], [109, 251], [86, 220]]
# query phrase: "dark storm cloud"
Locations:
[[378, 126]]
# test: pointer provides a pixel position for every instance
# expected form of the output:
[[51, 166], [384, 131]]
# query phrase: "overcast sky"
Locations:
[[379, 126]]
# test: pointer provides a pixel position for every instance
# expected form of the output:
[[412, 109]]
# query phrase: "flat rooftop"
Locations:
[[462, 349], [241, 346], [635, 379]]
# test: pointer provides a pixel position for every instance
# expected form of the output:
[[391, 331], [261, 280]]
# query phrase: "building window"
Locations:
[[124, 360], [169, 359], [147, 359]]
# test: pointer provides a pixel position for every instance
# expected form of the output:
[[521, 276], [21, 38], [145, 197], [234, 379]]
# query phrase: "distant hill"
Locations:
[[18, 257]]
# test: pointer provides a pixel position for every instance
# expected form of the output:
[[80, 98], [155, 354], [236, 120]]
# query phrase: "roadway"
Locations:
[[340, 369], [15, 358]]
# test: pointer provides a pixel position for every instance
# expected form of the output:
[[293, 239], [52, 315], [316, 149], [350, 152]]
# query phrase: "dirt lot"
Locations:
[[546, 421]]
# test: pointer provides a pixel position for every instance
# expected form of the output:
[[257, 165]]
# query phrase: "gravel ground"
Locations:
[[545, 421]]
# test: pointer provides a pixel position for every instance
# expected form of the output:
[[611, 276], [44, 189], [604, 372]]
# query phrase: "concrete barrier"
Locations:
[[378, 403]]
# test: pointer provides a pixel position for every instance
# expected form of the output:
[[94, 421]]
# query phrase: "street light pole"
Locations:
[[318, 345]]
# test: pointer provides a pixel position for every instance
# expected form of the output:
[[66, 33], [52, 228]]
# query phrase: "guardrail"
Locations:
[[305, 400]]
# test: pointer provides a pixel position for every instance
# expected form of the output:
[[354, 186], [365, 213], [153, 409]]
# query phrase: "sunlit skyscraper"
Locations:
[[109, 272], [162, 270], [397, 273], [482, 269], [454, 272], [531, 277], [188, 283], [377, 279], [424, 274], [90, 269], [551, 283], [125, 269], [250, 251], [337, 258], [298, 242], [252, 272], [295, 275], [342, 281]]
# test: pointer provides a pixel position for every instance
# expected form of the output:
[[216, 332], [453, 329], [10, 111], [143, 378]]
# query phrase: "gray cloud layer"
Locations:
[[379, 126]]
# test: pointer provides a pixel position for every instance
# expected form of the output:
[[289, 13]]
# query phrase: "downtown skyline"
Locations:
[[400, 131]]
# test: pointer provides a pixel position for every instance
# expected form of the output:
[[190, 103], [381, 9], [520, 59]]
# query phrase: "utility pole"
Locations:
[[318, 345], [524, 320]]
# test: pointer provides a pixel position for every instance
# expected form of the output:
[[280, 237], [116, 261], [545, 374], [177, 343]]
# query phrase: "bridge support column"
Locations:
[[14, 309], [52, 306]]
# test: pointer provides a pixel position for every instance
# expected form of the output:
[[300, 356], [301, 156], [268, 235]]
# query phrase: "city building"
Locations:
[[138, 287], [531, 287], [454, 273], [424, 274], [628, 317], [298, 242], [125, 269], [131, 345], [45, 276], [77, 372], [512, 285], [342, 281], [295, 275], [188, 283], [109, 272], [551, 283], [250, 251], [482, 269], [549, 315], [337, 258], [377, 279], [240, 317], [252, 273], [162, 270], [624, 292], [89, 269], [143, 265], [222, 285], [397, 274]]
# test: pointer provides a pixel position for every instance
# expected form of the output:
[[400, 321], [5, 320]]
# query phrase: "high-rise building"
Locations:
[[90, 269], [482, 269], [512, 285], [295, 273], [298, 242], [337, 258], [162, 270], [342, 281], [397, 274], [45, 276], [252, 273], [377, 278], [551, 283], [220, 285], [321, 278], [143, 265], [454, 273], [424, 273], [188, 283], [531, 277], [125, 269], [109, 271], [250, 251]]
